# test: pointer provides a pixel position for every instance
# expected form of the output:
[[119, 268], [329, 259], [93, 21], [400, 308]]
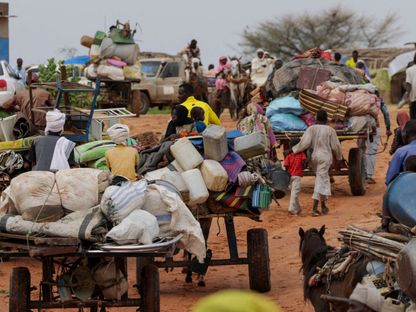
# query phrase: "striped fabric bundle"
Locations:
[[313, 103]]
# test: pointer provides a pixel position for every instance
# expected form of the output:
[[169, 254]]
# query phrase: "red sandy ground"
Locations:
[[177, 296]]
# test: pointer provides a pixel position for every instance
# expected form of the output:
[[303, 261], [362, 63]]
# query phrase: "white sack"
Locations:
[[87, 224], [16, 224], [119, 201], [37, 197], [175, 218], [34, 196], [112, 283], [138, 227]]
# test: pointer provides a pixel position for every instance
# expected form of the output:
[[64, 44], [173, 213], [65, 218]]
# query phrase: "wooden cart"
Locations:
[[257, 259], [355, 169], [55, 252]]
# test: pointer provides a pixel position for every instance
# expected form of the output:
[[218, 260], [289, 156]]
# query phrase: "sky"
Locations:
[[44, 27]]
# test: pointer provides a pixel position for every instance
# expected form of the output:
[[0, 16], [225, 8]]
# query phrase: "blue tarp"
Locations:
[[284, 105], [287, 122], [77, 60]]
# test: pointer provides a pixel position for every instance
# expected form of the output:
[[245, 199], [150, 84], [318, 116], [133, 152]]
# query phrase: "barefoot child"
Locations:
[[294, 164]]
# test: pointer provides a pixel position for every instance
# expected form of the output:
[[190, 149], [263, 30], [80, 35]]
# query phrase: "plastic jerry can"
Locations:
[[198, 192], [251, 145], [214, 175], [186, 154], [176, 179], [215, 142]]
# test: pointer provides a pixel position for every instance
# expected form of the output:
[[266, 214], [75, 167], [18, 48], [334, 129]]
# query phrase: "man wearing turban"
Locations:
[[52, 151], [122, 160]]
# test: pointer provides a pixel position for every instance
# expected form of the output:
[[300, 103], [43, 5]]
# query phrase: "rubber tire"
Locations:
[[356, 174], [150, 290], [19, 294], [258, 260], [135, 105], [145, 103]]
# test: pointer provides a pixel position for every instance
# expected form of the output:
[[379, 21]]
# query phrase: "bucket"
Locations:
[[400, 199], [280, 183]]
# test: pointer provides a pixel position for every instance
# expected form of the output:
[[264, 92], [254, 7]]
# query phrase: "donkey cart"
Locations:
[[69, 282], [257, 258], [355, 169]]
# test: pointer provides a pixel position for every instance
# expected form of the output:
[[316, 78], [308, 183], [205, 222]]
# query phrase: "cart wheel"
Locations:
[[150, 292], [135, 105], [356, 174], [258, 260], [144, 103], [19, 297]]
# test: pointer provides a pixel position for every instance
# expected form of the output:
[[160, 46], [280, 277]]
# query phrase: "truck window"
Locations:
[[149, 69], [171, 70]]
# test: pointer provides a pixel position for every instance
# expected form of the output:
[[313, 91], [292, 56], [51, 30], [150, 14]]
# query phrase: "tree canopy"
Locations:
[[330, 29]]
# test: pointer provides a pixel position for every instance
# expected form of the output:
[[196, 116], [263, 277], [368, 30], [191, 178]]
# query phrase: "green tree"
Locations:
[[330, 29]]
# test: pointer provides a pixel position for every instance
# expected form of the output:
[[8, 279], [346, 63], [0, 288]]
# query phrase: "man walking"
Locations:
[[20, 71], [322, 139]]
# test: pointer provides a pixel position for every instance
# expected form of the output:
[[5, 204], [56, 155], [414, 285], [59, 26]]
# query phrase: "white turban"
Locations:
[[55, 121], [195, 60], [119, 133], [259, 50]]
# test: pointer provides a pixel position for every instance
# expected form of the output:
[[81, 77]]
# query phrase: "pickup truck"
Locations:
[[161, 78]]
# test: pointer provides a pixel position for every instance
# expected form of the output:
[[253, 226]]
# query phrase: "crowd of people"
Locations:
[[319, 147]]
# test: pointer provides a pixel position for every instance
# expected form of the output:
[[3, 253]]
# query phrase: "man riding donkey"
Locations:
[[231, 87]]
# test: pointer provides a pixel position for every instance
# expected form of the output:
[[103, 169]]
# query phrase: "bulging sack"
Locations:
[[113, 284], [119, 201], [139, 227], [41, 195]]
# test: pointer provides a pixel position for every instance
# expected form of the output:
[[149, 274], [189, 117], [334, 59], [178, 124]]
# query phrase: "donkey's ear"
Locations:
[[322, 230], [301, 232]]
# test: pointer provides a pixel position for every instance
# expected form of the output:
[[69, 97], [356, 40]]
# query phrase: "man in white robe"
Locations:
[[323, 141], [259, 68]]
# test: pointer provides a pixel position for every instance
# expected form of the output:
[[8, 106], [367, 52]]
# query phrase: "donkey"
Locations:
[[237, 83], [314, 252]]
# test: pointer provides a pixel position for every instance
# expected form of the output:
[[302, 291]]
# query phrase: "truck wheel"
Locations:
[[150, 289], [19, 296], [145, 103], [135, 105], [258, 260], [356, 174]]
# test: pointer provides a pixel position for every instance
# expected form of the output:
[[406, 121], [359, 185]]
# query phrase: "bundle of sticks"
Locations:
[[378, 245]]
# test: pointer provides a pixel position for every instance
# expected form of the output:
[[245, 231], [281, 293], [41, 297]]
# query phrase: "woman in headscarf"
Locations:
[[180, 125], [402, 118], [254, 120]]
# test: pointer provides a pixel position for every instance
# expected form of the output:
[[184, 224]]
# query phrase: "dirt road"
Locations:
[[177, 296]]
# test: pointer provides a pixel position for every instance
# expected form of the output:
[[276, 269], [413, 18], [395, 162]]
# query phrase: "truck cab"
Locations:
[[161, 78]]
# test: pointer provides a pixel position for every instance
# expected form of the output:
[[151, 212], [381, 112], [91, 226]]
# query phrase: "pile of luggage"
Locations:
[[224, 171], [114, 55], [303, 86]]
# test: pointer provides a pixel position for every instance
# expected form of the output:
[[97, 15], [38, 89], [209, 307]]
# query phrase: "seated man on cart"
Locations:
[[52, 151]]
